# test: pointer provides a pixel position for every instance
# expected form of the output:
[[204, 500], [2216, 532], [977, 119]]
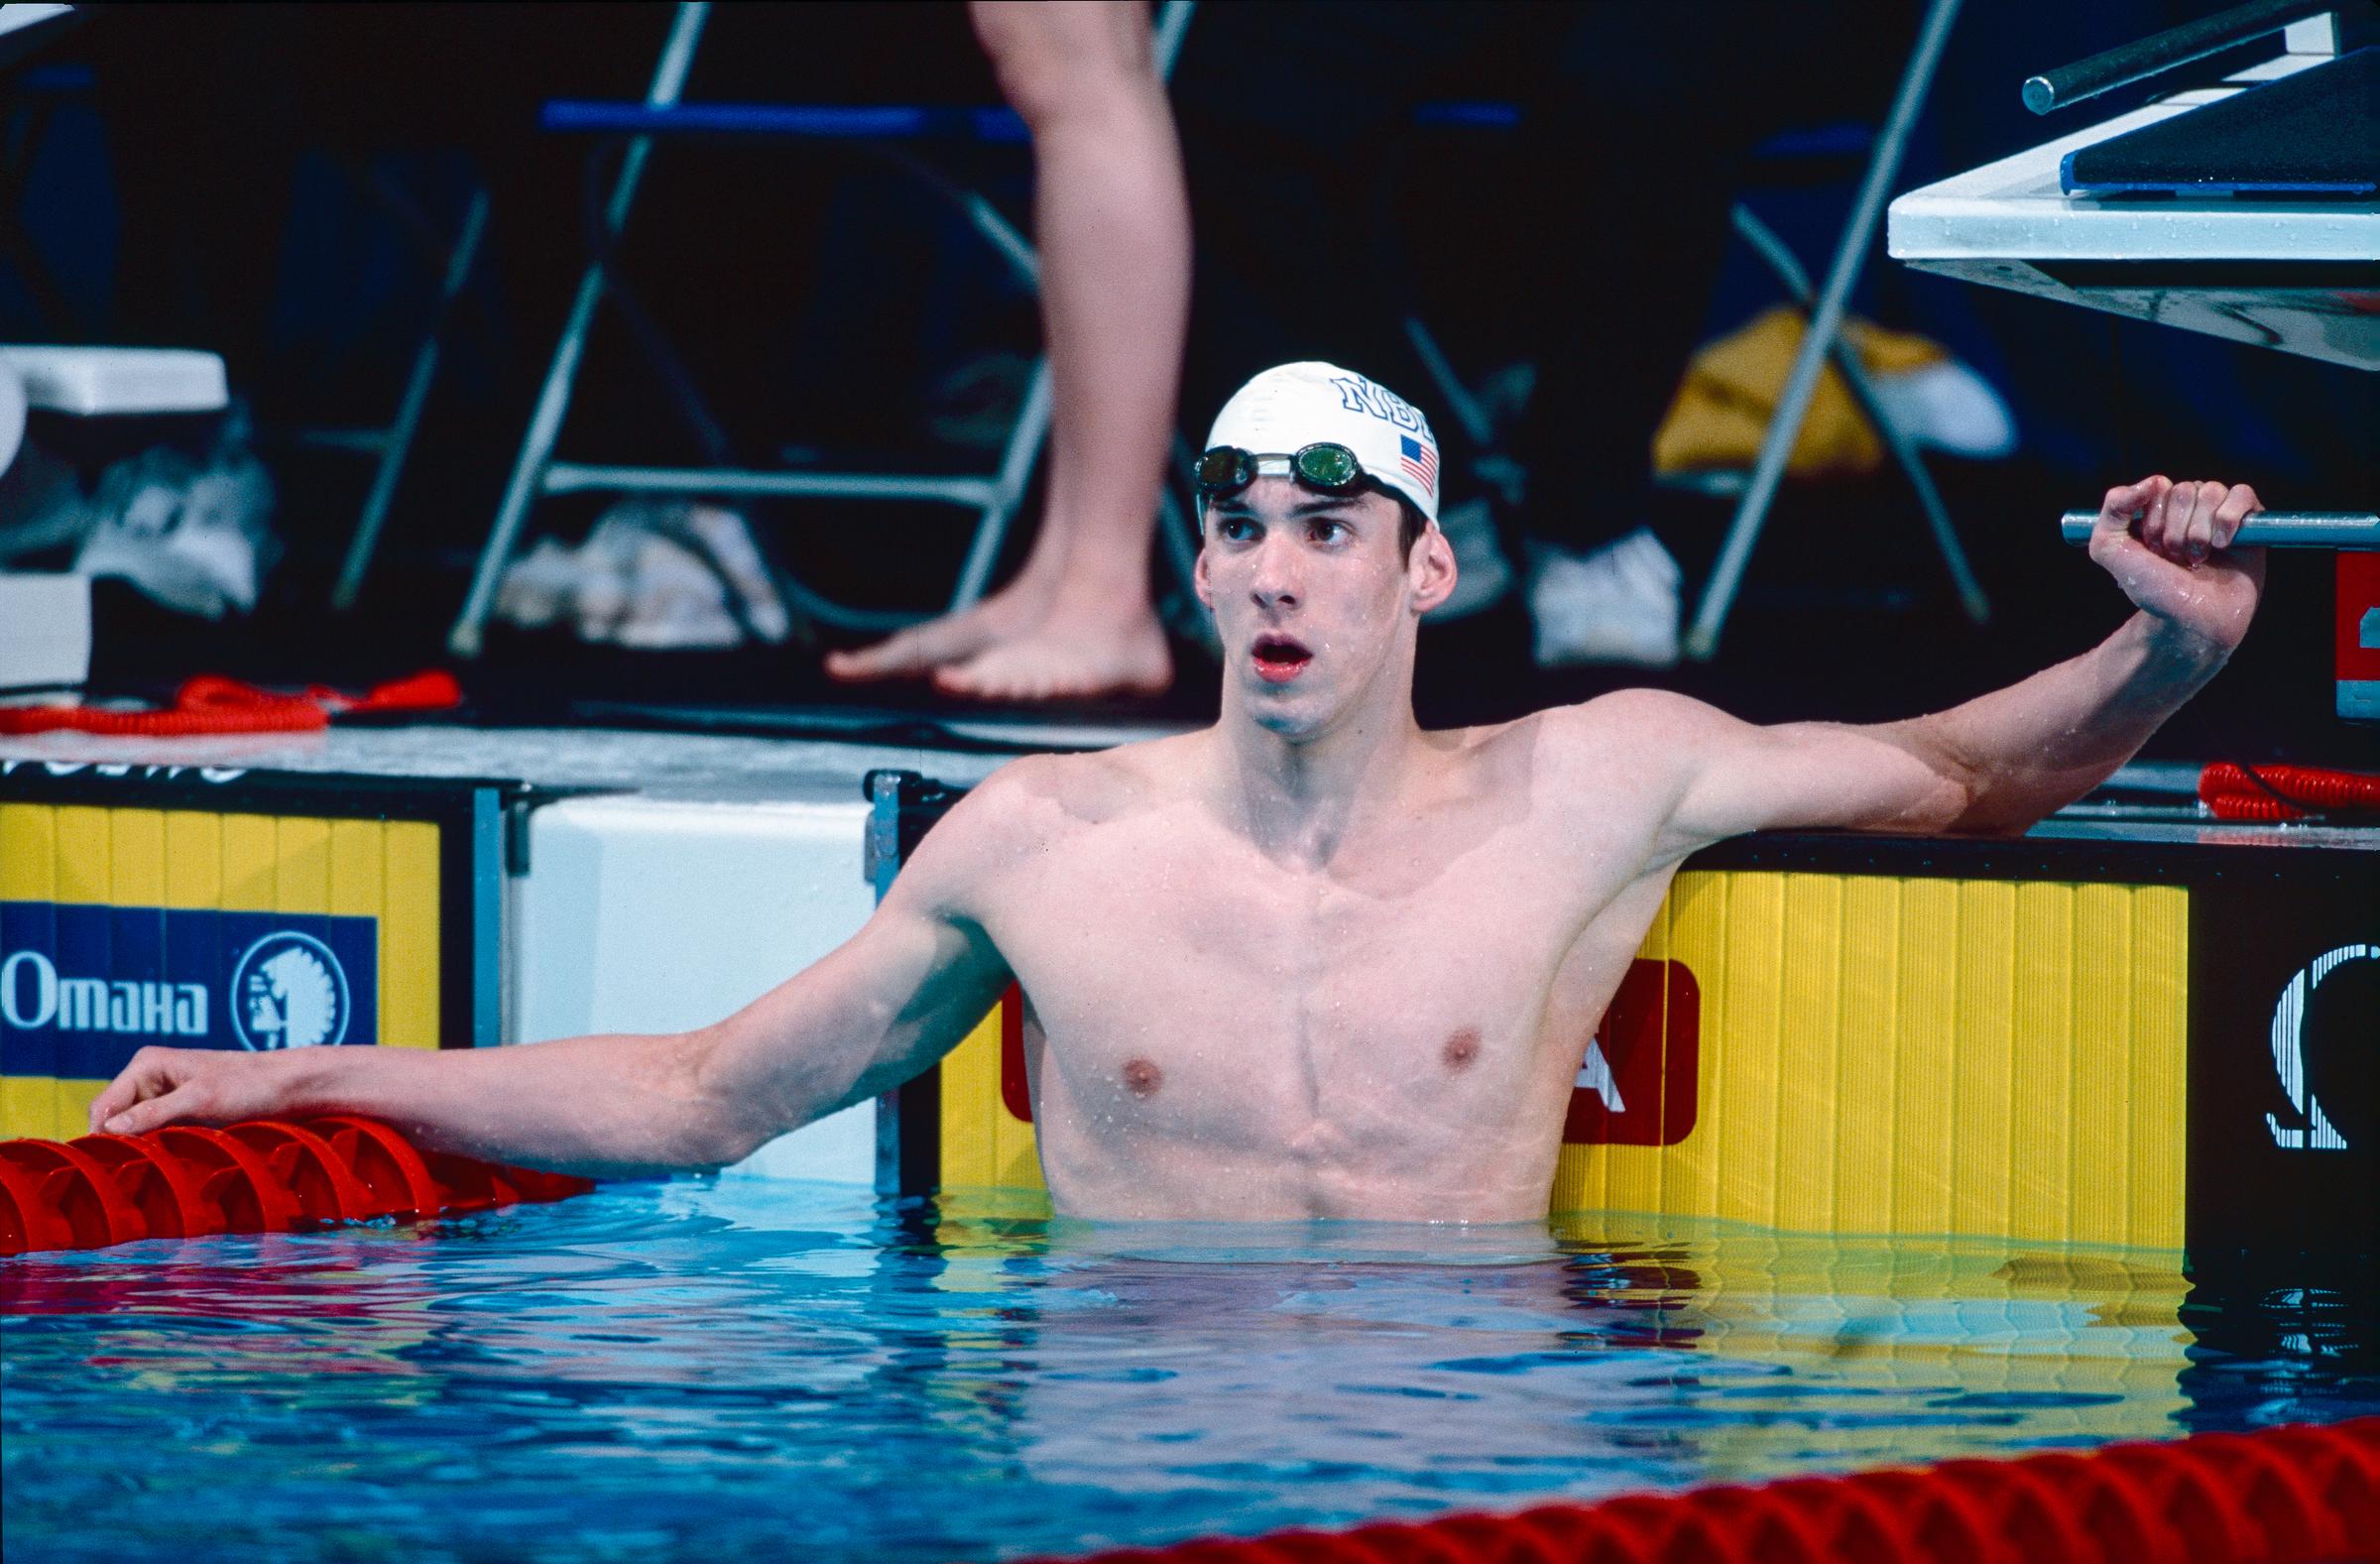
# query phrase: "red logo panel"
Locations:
[[2358, 597], [1636, 1078], [1016, 1093]]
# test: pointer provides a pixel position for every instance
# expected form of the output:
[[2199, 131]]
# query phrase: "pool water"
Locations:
[[728, 1367]]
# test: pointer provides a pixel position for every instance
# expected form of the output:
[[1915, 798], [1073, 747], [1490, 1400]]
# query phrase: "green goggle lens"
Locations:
[[1327, 466]]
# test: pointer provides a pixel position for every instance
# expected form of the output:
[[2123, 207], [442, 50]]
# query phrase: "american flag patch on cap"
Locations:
[[1418, 462]]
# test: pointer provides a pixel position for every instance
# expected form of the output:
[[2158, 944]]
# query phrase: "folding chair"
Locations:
[[1818, 341], [994, 498], [1821, 340]]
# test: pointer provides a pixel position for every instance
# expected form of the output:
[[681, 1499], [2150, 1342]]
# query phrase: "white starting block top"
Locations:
[[16, 18], [2009, 224], [94, 382]]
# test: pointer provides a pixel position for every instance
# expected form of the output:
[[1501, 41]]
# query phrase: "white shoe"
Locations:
[[652, 573], [1620, 604], [1948, 407], [191, 536], [737, 559]]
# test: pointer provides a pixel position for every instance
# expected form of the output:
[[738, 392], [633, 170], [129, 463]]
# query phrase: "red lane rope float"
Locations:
[[2303, 1495], [210, 703], [2286, 793], [262, 1177]]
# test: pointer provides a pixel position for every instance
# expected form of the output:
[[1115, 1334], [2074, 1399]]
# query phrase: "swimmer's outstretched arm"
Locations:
[[2000, 762], [890, 1001]]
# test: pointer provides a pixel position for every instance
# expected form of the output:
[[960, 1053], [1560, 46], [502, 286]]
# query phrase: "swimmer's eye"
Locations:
[[1237, 528], [1325, 531]]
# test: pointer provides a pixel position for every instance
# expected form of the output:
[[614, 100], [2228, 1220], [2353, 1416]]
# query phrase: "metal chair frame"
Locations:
[[1820, 339], [1473, 417], [1823, 339], [995, 497]]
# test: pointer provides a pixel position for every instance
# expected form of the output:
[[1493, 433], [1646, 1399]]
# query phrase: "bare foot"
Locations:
[[923, 649], [1068, 656]]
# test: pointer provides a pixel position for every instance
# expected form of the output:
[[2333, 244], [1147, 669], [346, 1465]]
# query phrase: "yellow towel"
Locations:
[[1730, 390]]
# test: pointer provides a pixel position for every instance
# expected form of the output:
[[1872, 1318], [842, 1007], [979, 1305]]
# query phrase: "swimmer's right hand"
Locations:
[[163, 1086]]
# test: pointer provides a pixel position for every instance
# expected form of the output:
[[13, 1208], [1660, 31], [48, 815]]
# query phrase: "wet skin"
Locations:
[[1312, 961], [1301, 965], [1389, 1029]]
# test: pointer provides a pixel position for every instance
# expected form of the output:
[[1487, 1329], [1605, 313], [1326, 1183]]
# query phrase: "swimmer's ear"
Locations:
[[1431, 570], [1198, 575]]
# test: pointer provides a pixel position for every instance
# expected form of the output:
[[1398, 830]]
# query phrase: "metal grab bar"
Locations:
[[2175, 45], [2270, 530]]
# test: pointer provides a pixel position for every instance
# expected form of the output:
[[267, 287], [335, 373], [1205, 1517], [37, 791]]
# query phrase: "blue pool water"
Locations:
[[725, 1369]]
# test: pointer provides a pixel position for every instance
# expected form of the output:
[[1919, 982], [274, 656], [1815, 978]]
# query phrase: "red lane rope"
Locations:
[[211, 703], [2286, 793], [262, 1177], [2303, 1495]]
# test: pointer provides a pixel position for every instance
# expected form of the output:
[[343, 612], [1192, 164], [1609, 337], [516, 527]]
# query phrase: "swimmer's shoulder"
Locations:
[[1629, 717], [1037, 797], [1021, 814], [1592, 727], [1603, 745]]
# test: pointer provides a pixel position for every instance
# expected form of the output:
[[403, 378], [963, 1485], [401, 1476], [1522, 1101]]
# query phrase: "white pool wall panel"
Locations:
[[645, 915]]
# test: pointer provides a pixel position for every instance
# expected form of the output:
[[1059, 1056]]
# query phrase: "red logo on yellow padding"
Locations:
[[1016, 1094], [1636, 1079]]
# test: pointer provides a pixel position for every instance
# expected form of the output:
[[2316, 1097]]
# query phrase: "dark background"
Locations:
[[200, 176]]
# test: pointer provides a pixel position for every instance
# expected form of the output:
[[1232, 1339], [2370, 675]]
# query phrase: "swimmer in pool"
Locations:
[[1312, 961]]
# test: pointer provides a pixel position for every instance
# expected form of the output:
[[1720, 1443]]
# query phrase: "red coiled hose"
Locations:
[[211, 703], [2286, 793], [2303, 1495], [262, 1177]]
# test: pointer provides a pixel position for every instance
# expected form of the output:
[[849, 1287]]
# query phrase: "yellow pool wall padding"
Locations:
[[984, 1145]]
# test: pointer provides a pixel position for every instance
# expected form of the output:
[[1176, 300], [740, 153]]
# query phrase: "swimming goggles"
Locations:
[[1326, 465]]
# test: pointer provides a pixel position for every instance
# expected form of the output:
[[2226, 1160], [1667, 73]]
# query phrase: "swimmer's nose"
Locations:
[[1277, 582]]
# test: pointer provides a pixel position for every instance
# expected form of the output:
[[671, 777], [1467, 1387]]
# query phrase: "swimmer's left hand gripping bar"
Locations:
[[2270, 530]]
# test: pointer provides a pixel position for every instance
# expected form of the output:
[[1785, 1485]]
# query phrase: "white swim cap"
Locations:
[[1293, 405]]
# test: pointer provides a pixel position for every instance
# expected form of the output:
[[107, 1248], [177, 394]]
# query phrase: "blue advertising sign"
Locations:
[[84, 987]]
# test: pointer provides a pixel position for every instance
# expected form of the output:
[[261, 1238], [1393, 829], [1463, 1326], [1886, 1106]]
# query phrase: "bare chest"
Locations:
[[1180, 985]]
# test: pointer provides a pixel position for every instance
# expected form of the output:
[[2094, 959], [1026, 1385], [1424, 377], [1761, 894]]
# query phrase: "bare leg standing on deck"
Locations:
[[1113, 222]]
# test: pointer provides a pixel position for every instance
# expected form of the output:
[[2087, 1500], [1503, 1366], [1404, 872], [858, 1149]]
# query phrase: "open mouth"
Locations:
[[1279, 659]]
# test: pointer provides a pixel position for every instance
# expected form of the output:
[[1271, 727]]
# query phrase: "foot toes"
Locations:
[[906, 654], [1056, 663]]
